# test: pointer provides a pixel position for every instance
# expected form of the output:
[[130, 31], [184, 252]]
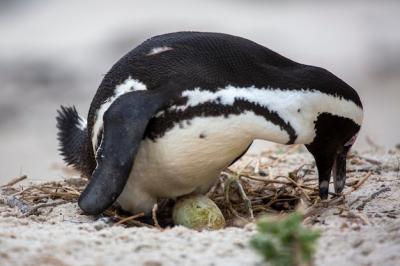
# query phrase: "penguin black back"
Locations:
[[210, 61]]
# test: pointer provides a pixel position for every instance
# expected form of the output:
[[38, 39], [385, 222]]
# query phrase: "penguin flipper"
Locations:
[[124, 125], [73, 139]]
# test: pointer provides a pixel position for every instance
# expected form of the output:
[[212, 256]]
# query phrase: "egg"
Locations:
[[198, 212]]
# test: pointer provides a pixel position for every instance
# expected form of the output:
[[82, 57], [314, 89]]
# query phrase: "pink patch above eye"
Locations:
[[351, 141]]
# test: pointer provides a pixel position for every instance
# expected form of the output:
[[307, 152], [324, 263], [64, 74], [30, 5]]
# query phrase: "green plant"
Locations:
[[285, 241]]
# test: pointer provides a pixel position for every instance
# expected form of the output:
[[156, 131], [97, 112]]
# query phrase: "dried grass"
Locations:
[[266, 193]]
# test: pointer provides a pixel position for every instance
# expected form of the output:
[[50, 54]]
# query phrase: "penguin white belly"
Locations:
[[189, 158]]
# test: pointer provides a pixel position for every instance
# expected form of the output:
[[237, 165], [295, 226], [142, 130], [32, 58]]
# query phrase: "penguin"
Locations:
[[176, 110]]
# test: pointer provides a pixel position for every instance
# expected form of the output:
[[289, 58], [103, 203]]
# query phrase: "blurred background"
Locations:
[[56, 52]]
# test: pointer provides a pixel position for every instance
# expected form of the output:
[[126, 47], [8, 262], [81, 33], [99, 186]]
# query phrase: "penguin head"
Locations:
[[124, 124], [114, 159], [334, 138]]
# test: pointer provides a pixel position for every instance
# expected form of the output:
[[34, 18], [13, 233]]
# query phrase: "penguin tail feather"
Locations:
[[73, 139]]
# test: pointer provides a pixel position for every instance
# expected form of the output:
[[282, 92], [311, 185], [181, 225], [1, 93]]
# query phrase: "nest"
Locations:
[[243, 192]]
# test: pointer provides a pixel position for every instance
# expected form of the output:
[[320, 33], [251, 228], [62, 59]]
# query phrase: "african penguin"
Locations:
[[175, 111]]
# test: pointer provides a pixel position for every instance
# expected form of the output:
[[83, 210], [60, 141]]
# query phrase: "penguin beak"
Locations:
[[114, 162], [339, 169]]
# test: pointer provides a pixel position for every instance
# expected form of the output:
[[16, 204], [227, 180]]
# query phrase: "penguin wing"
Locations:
[[124, 126]]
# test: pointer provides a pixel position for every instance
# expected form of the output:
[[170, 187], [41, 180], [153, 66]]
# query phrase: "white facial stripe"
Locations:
[[300, 108], [81, 123], [159, 113], [158, 50], [127, 86]]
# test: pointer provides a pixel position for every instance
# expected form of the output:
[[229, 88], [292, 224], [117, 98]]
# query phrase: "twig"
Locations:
[[130, 218], [227, 200], [372, 197], [299, 186], [273, 200], [139, 224], [35, 208], [316, 210], [358, 170], [371, 161], [247, 202], [245, 199], [217, 183], [296, 173], [23, 191], [272, 181], [362, 181], [15, 180], [154, 216], [257, 166], [292, 183]]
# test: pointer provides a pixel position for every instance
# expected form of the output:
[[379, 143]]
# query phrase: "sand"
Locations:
[[56, 52], [362, 230]]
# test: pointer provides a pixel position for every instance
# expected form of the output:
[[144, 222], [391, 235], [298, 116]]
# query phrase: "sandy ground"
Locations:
[[56, 52], [364, 229]]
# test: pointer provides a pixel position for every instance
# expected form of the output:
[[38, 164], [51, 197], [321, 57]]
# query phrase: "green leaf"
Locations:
[[285, 241]]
